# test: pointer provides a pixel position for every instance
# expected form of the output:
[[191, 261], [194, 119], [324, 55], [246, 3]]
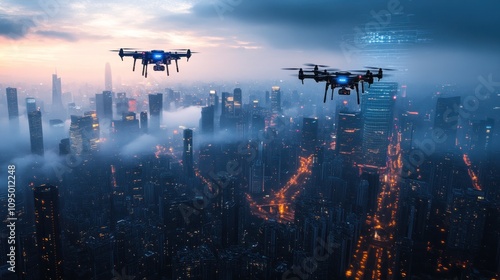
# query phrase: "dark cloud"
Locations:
[[57, 35], [323, 24], [15, 27]]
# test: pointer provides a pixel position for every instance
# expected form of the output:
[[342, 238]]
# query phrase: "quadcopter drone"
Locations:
[[160, 59], [344, 80]]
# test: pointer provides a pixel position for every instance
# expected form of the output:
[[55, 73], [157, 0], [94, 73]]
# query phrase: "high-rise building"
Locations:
[[108, 82], [56, 93], [155, 111], [95, 133], [214, 100], [238, 101], [275, 99], [36, 132], [122, 105], [80, 134], [144, 122], [227, 104], [309, 134], [187, 155], [48, 231], [349, 134], [104, 105], [377, 107], [446, 120], [126, 128], [467, 220], [30, 105], [258, 125], [207, 120], [64, 147], [12, 105], [481, 136]]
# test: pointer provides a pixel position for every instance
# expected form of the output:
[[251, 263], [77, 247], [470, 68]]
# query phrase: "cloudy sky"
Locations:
[[237, 39]]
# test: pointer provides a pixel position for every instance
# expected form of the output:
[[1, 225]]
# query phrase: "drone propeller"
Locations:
[[124, 49], [331, 69], [291, 68], [184, 50], [314, 65], [377, 68]]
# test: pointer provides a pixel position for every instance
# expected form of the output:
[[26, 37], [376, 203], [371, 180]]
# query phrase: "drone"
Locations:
[[160, 59], [344, 80]]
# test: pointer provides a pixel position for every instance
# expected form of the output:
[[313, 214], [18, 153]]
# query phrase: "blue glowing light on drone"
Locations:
[[342, 80]]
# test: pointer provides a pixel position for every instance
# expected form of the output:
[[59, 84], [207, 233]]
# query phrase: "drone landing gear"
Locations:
[[326, 92]]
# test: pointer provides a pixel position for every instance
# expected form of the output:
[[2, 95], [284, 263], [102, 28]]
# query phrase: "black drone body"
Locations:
[[161, 59], [344, 80]]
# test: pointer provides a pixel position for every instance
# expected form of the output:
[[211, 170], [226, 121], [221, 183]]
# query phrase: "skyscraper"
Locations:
[[30, 105], [48, 231], [227, 104], [144, 122], [104, 105], [276, 99], [349, 134], [214, 100], [12, 105], [238, 101], [377, 107], [80, 134], [446, 120], [56, 93], [36, 132], [187, 155], [309, 134], [108, 82], [155, 111], [95, 132], [122, 106], [207, 120]]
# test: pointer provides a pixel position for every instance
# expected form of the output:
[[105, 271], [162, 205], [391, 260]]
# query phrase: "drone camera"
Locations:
[[344, 91]]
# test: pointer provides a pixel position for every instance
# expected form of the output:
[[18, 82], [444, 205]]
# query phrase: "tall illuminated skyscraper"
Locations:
[[207, 120], [187, 155], [155, 111], [349, 134], [12, 105], [377, 107], [80, 134], [56, 93], [108, 82], [95, 132], [214, 100], [36, 132], [48, 231], [30, 105], [238, 101], [276, 99], [309, 134]]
